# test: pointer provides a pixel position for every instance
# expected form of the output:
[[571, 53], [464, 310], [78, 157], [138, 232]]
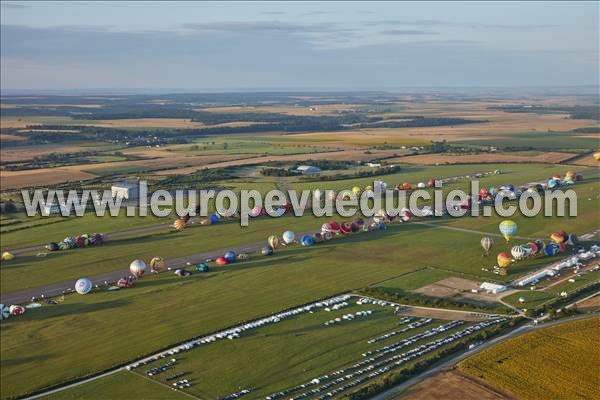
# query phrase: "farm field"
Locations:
[[543, 364], [444, 383]]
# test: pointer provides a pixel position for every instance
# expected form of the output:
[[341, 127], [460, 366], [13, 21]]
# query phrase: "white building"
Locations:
[[494, 288], [125, 190], [534, 278], [308, 169]]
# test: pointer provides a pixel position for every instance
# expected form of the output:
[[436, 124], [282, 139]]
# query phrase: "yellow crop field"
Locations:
[[560, 362]]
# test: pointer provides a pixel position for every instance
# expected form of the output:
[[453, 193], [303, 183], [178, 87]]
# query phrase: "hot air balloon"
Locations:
[[356, 190], [202, 267], [307, 241], [559, 237], [125, 282], [273, 241], [83, 286], [157, 264], [508, 229], [518, 253], [597, 156], [221, 261], [487, 242], [345, 228], [179, 224], [230, 256], [431, 182], [504, 259], [16, 310], [52, 246], [327, 235], [7, 256], [405, 215], [552, 183], [96, 239], [406, 186], [138, 268], [4, 312], [317, 195], [551, 249], [288, 237], [266, 251], [573, 240], [214, 219], [182, 272], [318, 237]]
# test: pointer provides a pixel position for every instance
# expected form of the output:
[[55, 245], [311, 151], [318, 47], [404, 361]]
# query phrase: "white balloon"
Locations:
[[83, 286]]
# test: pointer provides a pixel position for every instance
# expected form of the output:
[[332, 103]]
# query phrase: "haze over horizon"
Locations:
[[296, 46]]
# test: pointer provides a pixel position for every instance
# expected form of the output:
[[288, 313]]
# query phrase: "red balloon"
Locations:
[[221, 260]]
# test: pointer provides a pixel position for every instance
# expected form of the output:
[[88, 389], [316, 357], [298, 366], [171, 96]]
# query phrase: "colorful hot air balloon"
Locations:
[[327, 236], [487, 242], [504, 259], [125, 282], [573, 240], [157, 264], [138, 268], [559, 237], [16, 309], [52, 246], [202, 267], [518, 253], [230, 256], [83, 286], [288, 237], [214, 219], [597, 156], [318, 237], [346, 228], [179, 224], [273, 241], [7, 256], [4, 312], [552, 249], [508, 229], [356, 190], [431, 182]]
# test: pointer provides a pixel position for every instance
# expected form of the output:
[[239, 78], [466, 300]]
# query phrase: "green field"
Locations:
[[283, 355], [119, 386], [38, 349], [560, 362]]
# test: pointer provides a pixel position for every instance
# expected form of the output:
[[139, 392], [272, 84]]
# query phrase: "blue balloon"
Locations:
[[230, 256], [214, 219], [307, 240], [552, 183], [551, 249]]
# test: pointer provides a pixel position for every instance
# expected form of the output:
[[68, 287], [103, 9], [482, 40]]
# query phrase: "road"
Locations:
[[396, 390]]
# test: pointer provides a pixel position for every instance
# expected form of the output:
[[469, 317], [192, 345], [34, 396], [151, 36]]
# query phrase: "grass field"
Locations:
[[182, 308], [119, 386], [560, 362]]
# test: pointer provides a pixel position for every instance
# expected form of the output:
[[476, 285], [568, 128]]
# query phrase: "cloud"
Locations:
[[260, 26], [401, 32], [14, 6]]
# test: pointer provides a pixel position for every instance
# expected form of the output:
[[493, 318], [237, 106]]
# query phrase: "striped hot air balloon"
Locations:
[[508, 229], [486, 243], [179, 224], [518, 253]]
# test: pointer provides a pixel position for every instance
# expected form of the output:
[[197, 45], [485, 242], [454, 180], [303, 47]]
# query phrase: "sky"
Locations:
[[212, 46]]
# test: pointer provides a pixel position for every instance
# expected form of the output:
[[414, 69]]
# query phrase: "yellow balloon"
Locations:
[[7, 256]]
